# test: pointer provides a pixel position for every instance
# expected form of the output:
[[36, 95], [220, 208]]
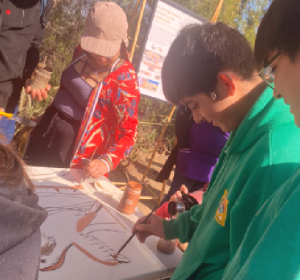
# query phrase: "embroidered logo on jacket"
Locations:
[[221, 213]]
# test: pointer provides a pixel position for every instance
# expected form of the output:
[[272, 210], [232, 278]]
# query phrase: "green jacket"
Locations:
[[271, 248], [258, 157]]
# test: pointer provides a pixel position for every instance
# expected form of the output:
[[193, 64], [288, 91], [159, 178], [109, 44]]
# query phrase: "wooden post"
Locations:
[[162, 191], [157, 143], [217, 11], [133, 16], [137, 31]]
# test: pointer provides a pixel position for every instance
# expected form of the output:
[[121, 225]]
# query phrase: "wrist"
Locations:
[[168, 229], [107, 165]]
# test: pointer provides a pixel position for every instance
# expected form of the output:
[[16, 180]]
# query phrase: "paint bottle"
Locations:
[[130, 198]]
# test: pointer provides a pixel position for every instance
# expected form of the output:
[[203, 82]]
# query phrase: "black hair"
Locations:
[[279, 29], [198, 54]]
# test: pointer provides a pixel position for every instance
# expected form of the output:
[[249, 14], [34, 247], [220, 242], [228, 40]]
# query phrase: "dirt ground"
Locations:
[[135, 172]]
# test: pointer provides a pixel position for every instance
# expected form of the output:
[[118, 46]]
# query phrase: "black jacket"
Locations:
[[20, 36], [183, 123]]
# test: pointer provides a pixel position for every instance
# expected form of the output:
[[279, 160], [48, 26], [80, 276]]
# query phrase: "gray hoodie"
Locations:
[[20, 237]]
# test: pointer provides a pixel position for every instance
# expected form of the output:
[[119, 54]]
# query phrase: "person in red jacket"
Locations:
[[92, 122]]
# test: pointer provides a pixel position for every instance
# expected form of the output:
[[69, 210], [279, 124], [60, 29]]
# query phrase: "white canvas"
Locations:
[[80, 237]]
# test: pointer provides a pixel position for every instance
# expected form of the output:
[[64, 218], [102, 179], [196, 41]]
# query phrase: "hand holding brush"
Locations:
[[147, 226], [143, 220], [96, 168]]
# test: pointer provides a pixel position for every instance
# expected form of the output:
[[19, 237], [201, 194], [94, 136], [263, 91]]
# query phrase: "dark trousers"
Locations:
[[52, 141], [10, 94], [9, 98], [178, 181]]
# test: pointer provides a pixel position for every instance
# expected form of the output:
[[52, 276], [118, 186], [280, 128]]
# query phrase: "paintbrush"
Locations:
[[82, 181], [134, 233], [18, 119], [88, 160]]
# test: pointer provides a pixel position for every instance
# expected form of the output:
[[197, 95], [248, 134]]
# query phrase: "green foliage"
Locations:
[[253, 13], [63, 34], [152, 110], [244, 15]]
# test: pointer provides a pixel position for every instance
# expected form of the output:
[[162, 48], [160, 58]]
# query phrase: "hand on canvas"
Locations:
[[154, 226], [96, 168], [37, 94], [178, 196]]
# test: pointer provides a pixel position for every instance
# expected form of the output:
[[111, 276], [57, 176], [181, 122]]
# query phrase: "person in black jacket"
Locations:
[[22, 29]]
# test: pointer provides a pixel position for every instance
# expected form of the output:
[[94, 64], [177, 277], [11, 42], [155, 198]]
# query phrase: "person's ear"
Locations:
[[228, 82]]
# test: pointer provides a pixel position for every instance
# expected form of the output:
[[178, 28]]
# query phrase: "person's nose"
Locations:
[[198, 118]]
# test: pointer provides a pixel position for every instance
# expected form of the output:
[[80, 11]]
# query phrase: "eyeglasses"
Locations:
[[267, 74]]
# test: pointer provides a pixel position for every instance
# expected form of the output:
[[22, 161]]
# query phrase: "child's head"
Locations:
[[206, 69], [277, 50], [12, 171]]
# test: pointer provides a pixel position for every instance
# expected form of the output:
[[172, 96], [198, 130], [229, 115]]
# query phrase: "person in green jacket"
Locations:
[[271, 247], [210, 68]]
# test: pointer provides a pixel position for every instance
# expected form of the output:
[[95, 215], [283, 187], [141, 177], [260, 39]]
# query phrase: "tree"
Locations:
[[63, 34], [244, 15], [251, 15]]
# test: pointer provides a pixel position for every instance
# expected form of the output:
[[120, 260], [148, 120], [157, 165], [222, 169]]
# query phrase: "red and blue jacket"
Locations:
[[109, 126]]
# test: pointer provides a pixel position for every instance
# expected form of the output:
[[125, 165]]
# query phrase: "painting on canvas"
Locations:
[[80, 237]]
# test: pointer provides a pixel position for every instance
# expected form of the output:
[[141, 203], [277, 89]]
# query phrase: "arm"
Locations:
[[33, 57], [184, 226], [125, 102], [165, 172], [183, 123], [33, 53]]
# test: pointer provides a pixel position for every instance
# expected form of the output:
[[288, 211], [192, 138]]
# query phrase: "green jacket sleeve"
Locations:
[[184, 226]]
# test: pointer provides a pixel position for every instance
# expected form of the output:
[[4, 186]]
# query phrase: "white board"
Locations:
[[80, 237], [60, 183], [169, 18]]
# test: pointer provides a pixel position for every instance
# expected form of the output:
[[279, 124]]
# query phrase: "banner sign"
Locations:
[[167, 20]]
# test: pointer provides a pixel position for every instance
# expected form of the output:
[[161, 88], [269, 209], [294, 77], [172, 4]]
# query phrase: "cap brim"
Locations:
[[99, 46]]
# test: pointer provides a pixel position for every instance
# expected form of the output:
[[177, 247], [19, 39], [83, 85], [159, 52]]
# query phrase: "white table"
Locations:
[[106, 193]]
